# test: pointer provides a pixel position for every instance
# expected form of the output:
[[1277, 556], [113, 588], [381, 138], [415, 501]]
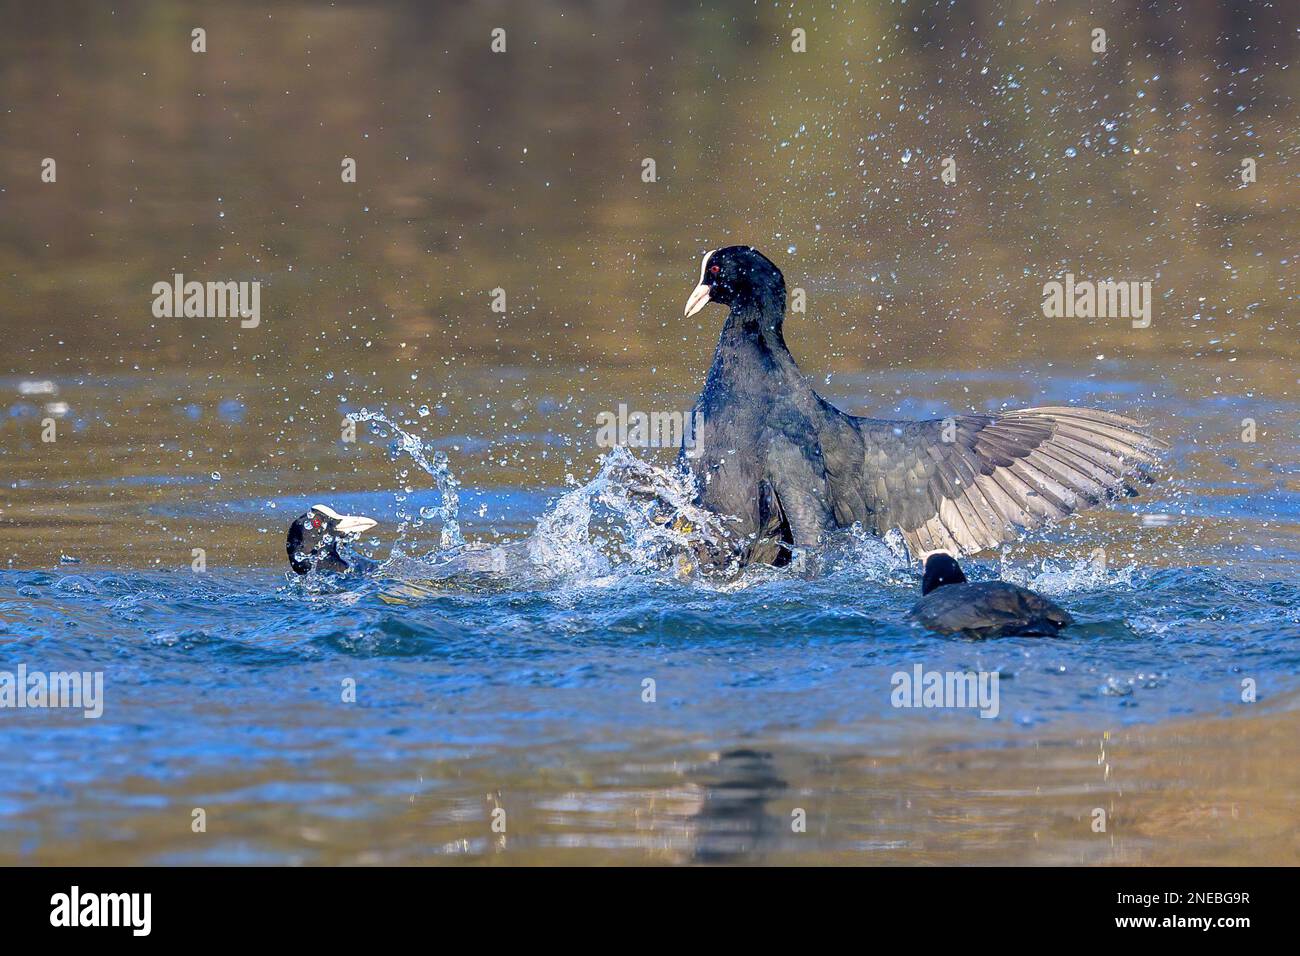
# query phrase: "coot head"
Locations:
[[313, 538], [941, 569], [738, 276]]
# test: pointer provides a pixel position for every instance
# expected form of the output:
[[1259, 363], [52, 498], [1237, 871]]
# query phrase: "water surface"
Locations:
[[522, 689]]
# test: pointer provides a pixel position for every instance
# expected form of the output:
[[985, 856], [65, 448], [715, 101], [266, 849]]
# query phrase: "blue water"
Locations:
[[481, 663], [457, 652]]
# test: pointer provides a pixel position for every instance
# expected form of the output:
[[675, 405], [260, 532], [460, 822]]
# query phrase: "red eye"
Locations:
[[715, 269], [315, 522]]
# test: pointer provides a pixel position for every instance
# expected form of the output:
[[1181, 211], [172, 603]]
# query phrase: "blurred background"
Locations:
[[522, 170]]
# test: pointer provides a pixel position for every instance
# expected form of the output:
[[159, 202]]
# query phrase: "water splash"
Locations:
[[1059, 576], [858, 553], [437, 467], [632, 516]]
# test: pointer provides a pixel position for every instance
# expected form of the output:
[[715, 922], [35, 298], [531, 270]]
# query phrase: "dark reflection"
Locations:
[[734, 823]]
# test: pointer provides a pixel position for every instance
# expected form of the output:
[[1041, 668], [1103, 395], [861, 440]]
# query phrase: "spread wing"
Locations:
[[968, 483]]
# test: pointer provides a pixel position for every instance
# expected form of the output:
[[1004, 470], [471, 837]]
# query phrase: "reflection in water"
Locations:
[[734, 823], [1199, 791]]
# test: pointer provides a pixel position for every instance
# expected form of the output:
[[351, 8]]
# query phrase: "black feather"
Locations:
[[962, 484], [950, 605]]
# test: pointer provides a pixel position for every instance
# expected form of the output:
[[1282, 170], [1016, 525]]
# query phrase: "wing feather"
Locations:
[[996, 476]]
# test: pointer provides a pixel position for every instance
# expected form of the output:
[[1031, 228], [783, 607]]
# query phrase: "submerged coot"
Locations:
[[313, 539], [952, 605]]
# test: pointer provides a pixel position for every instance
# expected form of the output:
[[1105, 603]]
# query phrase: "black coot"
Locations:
[[790, 466], [951, 605], [313, 539]]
